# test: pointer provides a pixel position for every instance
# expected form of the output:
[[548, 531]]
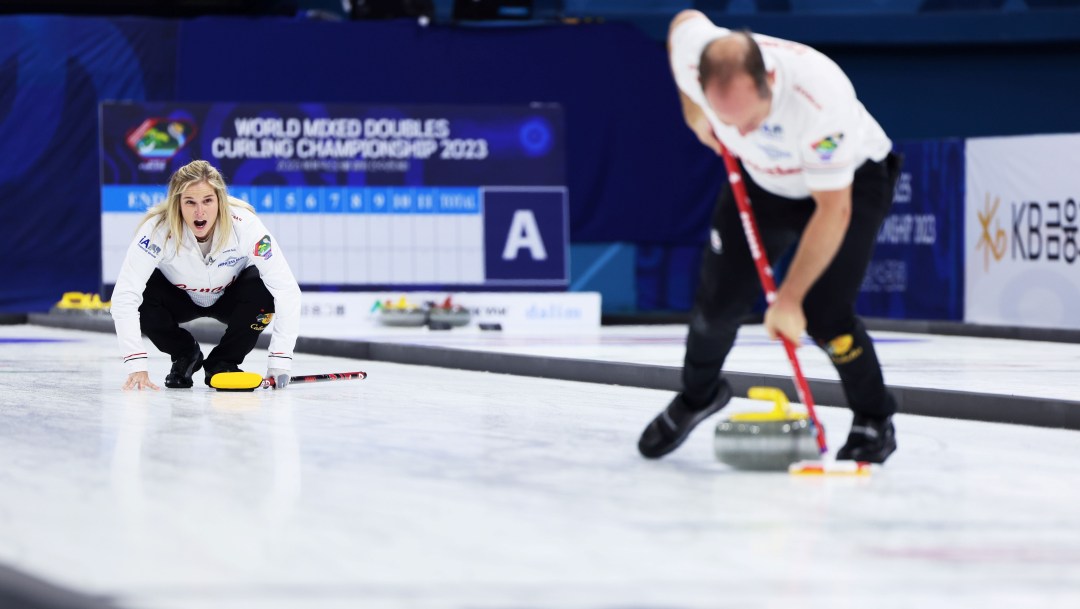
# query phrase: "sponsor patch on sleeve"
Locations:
[[262, 248], [148, 247], [827, 146]]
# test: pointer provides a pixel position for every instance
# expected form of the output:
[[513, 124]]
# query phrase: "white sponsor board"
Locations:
[[346, 314], [1021, 244]]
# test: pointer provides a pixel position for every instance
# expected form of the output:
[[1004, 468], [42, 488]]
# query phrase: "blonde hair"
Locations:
[[168, 211]]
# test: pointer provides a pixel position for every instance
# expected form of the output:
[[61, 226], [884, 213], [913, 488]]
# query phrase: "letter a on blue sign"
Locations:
[[524, 234], [525, 237]]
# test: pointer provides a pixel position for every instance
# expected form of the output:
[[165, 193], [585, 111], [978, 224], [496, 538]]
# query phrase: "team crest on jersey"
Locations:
[[826, 146], [262, 248]]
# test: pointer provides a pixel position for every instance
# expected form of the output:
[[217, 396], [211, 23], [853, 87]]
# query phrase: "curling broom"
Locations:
[[250, 381], [765, 274], [270, 382]]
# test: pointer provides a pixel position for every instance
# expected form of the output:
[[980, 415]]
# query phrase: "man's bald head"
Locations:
[[733, 78], [725, 58]]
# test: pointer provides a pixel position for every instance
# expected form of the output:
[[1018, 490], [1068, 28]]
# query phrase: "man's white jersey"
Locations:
[[817, 132], [205, 278]]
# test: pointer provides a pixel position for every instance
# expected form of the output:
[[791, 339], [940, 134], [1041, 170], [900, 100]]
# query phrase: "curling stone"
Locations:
[[766, 441], [448, 314], [401, 314], [402, 318]]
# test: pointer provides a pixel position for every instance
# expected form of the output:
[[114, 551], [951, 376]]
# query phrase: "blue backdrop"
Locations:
[[53, 72], [918, 266], [635, 173], [628, 156]]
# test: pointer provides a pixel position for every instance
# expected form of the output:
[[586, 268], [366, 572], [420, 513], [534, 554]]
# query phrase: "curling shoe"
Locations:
[[870, 439], [216, 367], [183, 368], [671, 427]]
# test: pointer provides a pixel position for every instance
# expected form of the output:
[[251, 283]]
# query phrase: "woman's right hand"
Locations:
[[138, 380]]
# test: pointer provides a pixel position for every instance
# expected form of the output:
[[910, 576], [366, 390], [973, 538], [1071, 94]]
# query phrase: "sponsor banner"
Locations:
[[337, 314], [361, 196], [919, 252], [1022, 213]]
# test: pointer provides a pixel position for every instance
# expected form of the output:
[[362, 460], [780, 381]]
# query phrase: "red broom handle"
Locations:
[[316, 378], [765, 274]]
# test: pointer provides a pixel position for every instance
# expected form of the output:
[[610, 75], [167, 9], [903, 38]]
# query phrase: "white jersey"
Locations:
[[205, 279], [817, 132]]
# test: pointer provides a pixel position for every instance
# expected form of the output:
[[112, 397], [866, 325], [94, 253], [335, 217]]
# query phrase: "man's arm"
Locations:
[[684, 15], [698, 123], [692, 113], [820, 241]]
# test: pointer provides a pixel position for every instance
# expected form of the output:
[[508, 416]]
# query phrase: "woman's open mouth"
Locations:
[[200, 224]]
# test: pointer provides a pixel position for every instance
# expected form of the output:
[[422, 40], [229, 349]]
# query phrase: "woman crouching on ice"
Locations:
[[201, 253]]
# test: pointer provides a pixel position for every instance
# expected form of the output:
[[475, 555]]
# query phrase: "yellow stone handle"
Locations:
[[769, 394], [779, 412]]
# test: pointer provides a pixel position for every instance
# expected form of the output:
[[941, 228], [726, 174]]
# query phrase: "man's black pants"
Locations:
[[245, 307], [729, 287]]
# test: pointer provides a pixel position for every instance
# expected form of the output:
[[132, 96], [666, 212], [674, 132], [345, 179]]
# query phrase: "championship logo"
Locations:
[[827, 146], [160, 138], [262, 248]]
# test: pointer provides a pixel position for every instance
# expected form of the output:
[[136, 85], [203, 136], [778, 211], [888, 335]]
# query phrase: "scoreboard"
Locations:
[[361, 197]]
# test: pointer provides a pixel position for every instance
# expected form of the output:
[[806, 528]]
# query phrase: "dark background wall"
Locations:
[[635, 173]]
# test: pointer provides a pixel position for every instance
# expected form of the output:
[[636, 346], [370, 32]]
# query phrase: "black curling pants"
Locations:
[[729, 287], [245, 307]]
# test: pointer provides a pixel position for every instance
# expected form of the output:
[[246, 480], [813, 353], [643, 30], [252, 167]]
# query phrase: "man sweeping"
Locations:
[[820, 174]]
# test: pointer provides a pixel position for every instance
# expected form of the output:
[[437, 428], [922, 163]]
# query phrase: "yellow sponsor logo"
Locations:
[[841, 344], [992, 241], [262, 320], [840, 350]]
